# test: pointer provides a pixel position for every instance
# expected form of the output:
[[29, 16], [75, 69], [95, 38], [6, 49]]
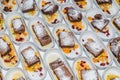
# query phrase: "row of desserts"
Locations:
[[96, 51], [57, 66]]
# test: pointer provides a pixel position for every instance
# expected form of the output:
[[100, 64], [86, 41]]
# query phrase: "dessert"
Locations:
[[50, 12], [8, 55], [74, 18], [66, 39], [42, 35], [85, 70], [60, 70], [100, 24], [31, 61], [116, 22], [30, 56], [17, 28], [9, 5], [93, 48], [114, 46], [18, 25], [58, 67]]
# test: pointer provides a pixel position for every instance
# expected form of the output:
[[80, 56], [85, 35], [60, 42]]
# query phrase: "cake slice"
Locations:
[[116, 22], [28, 5], [104, 1], [74, 15], [42, 35], [60, 70], [49, 9], [89, 75], [18, 25], [66, 39], [94, 48], [100, 24], [29, 56], [4, 47], [115, 46]]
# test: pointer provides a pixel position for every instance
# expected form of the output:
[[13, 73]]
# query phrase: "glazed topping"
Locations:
[[49, 9], [89, 75], [42, 34], [116, 21], [4, 48], [66, 39], [60, 70], [104, 1], [29, 56], [74, 15], [93, 47], [28, 5], [115, 46]]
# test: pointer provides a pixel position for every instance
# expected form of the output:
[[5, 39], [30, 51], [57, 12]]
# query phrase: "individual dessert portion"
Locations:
[[74, 17], [31, 61], [107, 6], [17, 28], [41, 34], [57, 66], [100, 24], [114, 46], [9, 5], [83, 4], [8, 54], [60, 70], [111, 73], [67, 42], [2, 22], [15, 74], [50, 11], [95, 49], [85, 70], [29, 8], [116, 23]]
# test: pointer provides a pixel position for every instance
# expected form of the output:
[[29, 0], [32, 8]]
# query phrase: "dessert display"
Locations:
[[85, 70], [9, 5], [116, 23], [95, 50], [111, 73], [2, 22], [41, 34], [57, 66], [50, 11], [31, 61], [114, 46], [74, 18], [15, 74], [107, 6], [67, 41], [100, 24], [17, 28], [8, 55], [83, 4], [29, 8]]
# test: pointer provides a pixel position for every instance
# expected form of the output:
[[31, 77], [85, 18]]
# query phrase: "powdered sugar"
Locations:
[[17, 23]]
